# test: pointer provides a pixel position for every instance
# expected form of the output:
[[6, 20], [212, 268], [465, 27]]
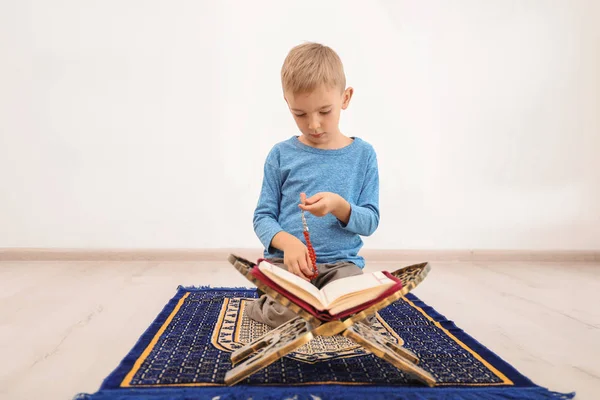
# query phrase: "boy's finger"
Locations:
[[314, 199], [304, 268], [291, 264], [315, 209], [293, 268], [309, 263], [296, 270], [302, 198]]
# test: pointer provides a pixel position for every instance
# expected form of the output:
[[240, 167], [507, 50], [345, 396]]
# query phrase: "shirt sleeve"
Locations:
[[364, 213], [265, 220]]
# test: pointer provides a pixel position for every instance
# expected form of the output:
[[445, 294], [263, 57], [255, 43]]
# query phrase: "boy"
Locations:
[[339, 174]]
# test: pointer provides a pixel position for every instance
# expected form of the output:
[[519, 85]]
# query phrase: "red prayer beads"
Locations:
[[311, 250]]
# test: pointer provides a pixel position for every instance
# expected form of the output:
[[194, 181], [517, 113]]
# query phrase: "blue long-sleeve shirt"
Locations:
[[291, 168]]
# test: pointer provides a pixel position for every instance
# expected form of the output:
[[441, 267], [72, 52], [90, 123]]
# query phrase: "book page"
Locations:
[[293, 283], [357, 285]]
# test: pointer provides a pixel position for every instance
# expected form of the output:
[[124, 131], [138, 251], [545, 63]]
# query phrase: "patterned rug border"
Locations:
[[521, 387]]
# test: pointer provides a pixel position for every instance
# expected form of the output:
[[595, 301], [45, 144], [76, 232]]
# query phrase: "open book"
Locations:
[[335, 300]]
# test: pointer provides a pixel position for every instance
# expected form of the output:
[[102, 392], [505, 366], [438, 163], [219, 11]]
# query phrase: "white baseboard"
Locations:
[[371, 255]]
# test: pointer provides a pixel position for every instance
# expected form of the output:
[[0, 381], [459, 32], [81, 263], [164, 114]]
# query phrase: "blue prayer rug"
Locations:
[[185, 354]]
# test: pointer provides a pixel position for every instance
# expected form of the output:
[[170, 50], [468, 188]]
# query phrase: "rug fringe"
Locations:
[[334, 392]]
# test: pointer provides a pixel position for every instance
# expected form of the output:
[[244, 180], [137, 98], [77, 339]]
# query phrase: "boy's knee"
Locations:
[[332, 272], [268, 311]]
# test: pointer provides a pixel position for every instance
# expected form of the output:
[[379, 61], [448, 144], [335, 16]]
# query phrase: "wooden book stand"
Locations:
[[298, 331]]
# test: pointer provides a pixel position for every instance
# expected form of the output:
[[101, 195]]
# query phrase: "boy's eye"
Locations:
[[320, 112]]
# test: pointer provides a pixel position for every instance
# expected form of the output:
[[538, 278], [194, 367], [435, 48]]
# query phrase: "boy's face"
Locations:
[[317, 114]]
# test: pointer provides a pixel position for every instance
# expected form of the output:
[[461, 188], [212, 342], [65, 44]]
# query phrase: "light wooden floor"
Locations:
[[64, 326]]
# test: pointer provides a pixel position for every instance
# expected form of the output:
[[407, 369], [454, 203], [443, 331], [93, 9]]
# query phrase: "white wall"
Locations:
[[144, 124]]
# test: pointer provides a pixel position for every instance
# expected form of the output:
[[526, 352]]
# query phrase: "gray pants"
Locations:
[[268, 311]]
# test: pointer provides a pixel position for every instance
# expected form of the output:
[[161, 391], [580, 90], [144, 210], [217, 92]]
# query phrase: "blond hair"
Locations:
[[309, 65]]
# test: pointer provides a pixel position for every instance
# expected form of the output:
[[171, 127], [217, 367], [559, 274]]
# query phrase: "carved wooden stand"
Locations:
[[293, 334]]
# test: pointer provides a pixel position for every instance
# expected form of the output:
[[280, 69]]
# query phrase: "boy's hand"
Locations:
[[297, 259], [295, 254], [320, 204], [324, 203]]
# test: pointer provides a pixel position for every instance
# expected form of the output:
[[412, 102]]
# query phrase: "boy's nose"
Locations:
[[314, 124]]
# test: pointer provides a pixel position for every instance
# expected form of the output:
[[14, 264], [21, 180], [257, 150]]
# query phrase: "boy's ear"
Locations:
[[346, 96]]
